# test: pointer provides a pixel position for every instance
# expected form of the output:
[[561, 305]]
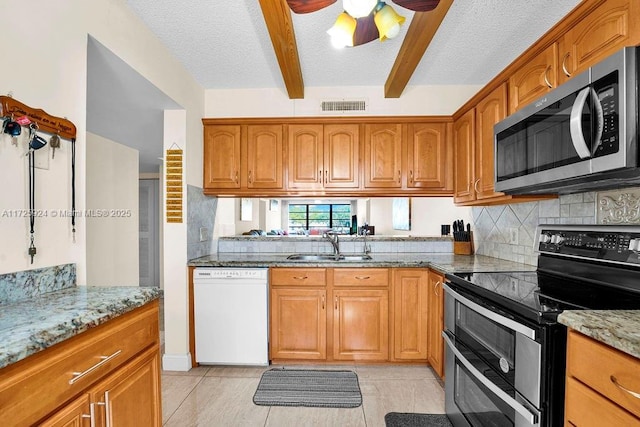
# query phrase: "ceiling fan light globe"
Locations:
[[342, 31], [388, 22], [359, 8]]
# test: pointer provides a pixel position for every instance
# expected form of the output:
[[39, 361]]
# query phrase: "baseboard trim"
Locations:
[[176, 362]]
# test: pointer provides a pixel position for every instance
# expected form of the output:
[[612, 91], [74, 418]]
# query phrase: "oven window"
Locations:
[[491, 341], [478, 404]]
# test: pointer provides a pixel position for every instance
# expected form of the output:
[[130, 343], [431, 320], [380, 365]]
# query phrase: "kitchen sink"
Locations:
[[329, 257]]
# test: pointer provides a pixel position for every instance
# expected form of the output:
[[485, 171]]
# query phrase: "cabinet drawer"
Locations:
[[600, 367], [298, 277], [586, 408], [360, 277], [53, 374]]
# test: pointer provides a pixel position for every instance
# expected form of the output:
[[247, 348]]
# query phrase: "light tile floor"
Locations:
[[223, 396]]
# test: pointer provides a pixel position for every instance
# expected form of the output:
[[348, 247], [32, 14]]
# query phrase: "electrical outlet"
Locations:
[[513, 236], [204, 234]]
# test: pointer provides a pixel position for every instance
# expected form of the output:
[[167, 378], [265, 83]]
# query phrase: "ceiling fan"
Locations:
[[363, 20]]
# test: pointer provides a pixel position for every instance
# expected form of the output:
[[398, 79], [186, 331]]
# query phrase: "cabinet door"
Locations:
[[436, 322], [489, 111], [383, 156], [264, 156], [534, 79], [221, 156], [75, 414], [463, 142], [360, 324], [586, 408], [298, 324], [341, 156], [305, 168], [427, 156], [131, 396], [410, 313], [611, 26]]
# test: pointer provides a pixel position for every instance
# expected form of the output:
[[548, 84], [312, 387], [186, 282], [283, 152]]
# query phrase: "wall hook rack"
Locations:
[[46, 122]]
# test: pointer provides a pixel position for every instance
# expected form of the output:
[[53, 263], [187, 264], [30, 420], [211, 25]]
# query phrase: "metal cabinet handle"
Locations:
[[250, 178], [411, 176], [564, 66], [236, 179], [323, 301], [300, 277], [363, 277], [336, 306], [326, 176], [92, 411], [546, 80], [107, 409], [623, 388], [475, 185], [105, 359], [435, 288]]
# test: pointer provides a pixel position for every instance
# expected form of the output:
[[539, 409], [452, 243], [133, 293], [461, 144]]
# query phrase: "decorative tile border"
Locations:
[[619, 206], [22, 285]]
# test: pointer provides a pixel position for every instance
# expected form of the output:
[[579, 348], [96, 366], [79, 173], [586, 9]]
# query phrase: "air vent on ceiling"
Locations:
[[344, 106]]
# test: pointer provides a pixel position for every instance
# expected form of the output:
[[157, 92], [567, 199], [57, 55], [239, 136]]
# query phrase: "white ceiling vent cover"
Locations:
[[343, 106]]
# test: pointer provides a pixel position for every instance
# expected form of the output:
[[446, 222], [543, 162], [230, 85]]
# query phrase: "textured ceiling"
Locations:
[[225, 44]]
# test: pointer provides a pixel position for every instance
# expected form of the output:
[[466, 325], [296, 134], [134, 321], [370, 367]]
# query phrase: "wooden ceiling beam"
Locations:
[[420, 33], [277, 16]]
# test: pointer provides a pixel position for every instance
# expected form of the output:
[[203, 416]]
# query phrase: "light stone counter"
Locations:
[[32, 325], [619, 329]]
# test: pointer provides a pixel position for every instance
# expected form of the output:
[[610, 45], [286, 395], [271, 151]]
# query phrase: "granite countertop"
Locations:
[[32, 325], [445, 263], [619, 329]]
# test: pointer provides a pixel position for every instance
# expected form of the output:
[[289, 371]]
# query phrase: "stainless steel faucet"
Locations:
[[365, 231], [335, 242]]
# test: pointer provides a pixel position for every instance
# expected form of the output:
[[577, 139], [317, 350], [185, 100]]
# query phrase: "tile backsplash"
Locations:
[[201, 214], [508, 231]]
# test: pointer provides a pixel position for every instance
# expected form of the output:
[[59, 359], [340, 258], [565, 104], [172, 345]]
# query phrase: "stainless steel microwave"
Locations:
[[581, 136]]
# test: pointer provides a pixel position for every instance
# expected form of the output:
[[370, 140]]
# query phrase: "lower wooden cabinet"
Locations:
[[436, 322], [357, 314], [361, 324], [298, 324], [410, 313], [602, 384], [119, 362]]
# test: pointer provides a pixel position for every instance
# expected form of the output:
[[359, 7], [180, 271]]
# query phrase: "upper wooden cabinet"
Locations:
[[243, 157], [264, 156], [464, 149], [383, 155], [429, 156], [323, 156], [222, 156], [534, 79], [609, 27], [593, 31]]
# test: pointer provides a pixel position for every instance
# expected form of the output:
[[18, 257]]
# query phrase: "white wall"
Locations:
[[427, 214], [48, 70], [112, 240]]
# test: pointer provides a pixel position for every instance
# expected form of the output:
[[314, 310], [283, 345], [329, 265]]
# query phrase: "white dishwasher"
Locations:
[[230, 314]]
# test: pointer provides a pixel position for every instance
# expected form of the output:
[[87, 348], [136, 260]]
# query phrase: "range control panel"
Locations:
[[607, 243]]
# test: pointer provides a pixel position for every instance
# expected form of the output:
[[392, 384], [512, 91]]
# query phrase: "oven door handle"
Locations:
[[514, 404], [507, 323]]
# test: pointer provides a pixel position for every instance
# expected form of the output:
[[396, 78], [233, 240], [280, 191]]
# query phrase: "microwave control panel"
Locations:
[[616, 246], [606, 90]]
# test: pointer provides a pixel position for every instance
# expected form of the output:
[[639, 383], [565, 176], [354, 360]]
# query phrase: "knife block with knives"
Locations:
[[462, 238]]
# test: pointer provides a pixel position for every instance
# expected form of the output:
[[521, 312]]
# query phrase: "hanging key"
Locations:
[[32, 252], [54, 143]]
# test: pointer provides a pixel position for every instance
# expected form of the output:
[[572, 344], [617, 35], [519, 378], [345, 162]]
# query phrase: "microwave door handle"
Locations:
[[514, 404], [599, 115], [575, 124]]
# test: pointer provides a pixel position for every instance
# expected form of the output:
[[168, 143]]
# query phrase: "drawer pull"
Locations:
[[301, 277], [363, 277], [623, 388], [105, 359]]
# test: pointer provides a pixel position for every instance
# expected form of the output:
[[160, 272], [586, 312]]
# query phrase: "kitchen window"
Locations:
[[315, 218]]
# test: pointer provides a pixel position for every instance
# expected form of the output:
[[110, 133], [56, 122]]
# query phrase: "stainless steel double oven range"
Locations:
[[505, 350]]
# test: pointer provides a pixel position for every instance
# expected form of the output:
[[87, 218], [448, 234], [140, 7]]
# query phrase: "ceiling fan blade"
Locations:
[[307, 6], [366, 30], [418, 5]]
